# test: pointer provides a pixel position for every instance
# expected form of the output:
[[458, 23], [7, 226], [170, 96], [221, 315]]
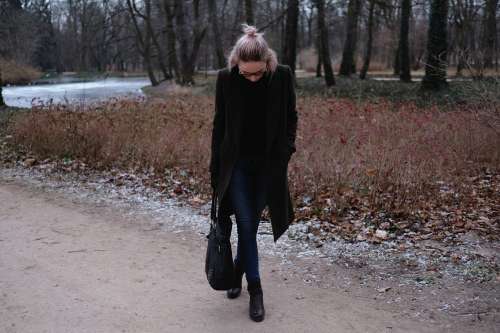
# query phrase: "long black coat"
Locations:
[[281, 128]]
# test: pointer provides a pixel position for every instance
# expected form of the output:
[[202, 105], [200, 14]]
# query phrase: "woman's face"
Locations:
[[252, 70]]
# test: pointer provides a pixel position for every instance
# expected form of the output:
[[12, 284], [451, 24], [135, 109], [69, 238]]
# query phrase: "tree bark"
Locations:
[[290, 47], [219, 50], [151, 33], [369, 41], [319, 64], [249, 12], [463, 21], [173, 64], [404, 48], [182, 36], [324, 45], [188, 59], [144, 43], [348, 64], [435, 67], [397, 62], [490, 32]]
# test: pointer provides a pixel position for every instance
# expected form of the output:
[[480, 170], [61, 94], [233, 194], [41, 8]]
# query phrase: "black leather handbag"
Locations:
[[219, 266]]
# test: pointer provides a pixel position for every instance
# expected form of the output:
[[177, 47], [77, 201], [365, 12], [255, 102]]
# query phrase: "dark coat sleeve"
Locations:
[[291, 128], [218, 126]]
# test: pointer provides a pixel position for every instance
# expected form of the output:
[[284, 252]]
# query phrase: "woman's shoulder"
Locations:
[[223, 72], [282, 67], [284, 70]]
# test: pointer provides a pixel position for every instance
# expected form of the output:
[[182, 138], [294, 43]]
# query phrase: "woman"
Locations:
[[253, 138]]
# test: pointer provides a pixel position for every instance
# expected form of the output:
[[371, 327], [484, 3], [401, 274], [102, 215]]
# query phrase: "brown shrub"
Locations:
[[377, 148], [120, 133], [16, 73], [391, 153]]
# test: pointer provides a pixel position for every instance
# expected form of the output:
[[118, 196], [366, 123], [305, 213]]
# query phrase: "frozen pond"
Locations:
[[74, 92]]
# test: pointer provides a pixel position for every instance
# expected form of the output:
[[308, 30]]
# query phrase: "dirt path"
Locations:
[[66, 266]]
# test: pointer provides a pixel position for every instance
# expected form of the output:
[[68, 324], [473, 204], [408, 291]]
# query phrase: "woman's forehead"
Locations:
[[251, 66]]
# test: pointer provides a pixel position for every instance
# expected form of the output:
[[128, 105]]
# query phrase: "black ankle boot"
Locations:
[[235, 291], [256, 308]]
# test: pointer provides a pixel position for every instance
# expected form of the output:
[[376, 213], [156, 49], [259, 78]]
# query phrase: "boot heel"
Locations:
[[256, 306]]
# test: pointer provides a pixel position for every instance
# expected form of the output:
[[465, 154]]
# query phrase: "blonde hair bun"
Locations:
[[252, 46], [250, 30]]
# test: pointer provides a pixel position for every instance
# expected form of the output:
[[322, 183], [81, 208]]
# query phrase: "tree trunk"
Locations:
[[144, 42], [173, 64], [188, 59], [219, 50], [152, 35], [464, 18], [183, 37], [199, 32], [435, 67], [249, 12], [490, 32], [348, 64], [325, 48], [369, 42], [147, 58], [290, 47], [319, 64], [236, 26], [309, 20], [397, 63], [404, 49]]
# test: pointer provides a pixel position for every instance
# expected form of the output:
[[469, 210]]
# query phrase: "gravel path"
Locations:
[[73, 261]]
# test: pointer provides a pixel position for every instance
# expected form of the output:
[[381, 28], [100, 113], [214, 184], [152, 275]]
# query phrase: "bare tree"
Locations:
[[463, 13], [290, 45], [390, 16], [173, 64], [45, 55], [188, 57], [309, 19], [143, 39], [249, 12], [490, 32], [369, 41], [149, 26], [324, 45], [404, 48], [319, 64], [219, 50], [348, 64], [17, 42], [435, 67]]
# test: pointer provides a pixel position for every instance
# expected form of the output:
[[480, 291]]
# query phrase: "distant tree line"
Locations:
[[171, 39]]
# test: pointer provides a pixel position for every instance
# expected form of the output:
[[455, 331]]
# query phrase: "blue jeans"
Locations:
[[247, 191]]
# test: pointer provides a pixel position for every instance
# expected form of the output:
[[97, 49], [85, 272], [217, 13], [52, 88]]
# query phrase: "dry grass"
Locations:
[[386, 148], [120, 133], [390, 153]]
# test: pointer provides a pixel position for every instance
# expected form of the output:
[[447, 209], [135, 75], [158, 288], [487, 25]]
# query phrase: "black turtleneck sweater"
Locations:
[[253, 135]]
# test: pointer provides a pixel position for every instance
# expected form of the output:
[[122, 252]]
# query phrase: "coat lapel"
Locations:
[[238, 106]]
